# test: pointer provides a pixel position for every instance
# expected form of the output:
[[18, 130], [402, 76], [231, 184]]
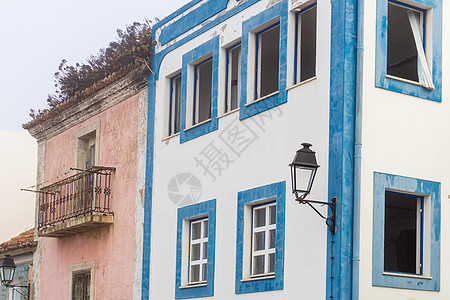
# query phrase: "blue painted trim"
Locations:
[[194, 212], [192, 19], [253, 197], [148, 187], [381, 53], [211, 46], [343, 96], [175, 14], [280, 10], [415, 186]]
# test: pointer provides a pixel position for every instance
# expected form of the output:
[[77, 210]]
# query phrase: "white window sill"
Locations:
[[228, 113], [259, 277], [405, 80], [301, 83], [194, 285], [198, 124], [170, 136], [262, 98], [407, 275]]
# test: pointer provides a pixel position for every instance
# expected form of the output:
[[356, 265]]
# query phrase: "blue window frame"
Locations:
[[233, 75], [305, 43], [174, 105], [200, 284], [406, 233], [252, 30], [409, 47], [191, 127], [267, 275]]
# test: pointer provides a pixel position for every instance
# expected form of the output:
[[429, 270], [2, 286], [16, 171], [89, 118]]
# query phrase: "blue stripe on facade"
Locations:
[[341, 145]]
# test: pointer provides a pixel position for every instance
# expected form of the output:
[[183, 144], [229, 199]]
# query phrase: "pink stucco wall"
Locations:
[[111, 247]]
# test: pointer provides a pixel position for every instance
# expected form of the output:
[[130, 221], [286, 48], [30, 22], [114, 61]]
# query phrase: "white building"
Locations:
[[236, 88]]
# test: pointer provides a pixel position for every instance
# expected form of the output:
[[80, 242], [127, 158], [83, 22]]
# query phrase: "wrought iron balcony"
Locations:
[[76, 204]]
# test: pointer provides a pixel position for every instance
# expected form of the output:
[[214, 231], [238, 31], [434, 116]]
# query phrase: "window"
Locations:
[[198, 245], [199, 76], [406, 233], [264, 60], [260, 239], [174, 107], [263, 246], [15, 293], [196, 226], [305, 55], [409, 47], [406, 44], [202, 92], [403, 233], [233, 83], [86, 146], [81, 283], [267, 61]]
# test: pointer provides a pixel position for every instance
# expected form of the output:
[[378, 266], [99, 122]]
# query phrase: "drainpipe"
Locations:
[[358, 150]]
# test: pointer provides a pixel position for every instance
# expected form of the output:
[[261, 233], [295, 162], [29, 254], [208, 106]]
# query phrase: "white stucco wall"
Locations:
[[304, 118]]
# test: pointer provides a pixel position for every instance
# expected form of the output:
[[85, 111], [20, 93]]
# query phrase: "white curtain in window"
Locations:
[[425, 76]]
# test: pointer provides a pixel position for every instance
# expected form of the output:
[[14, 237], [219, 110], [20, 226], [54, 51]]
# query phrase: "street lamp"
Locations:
[[303, 172], [7, 269]]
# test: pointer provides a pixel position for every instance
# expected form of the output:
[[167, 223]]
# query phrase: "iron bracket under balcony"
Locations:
[[76, 204]]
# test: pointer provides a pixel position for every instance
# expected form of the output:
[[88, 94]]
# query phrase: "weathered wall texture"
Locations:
[[111, 247]]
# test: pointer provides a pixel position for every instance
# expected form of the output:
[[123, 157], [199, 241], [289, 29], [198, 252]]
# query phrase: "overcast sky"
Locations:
[[37, 34]]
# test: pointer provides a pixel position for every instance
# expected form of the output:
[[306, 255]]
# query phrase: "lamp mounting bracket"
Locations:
[[331, 220]]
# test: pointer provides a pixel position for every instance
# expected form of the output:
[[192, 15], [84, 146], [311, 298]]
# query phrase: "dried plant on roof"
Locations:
[[132, 47]]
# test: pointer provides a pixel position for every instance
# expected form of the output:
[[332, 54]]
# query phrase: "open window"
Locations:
[[406, 46], [305, 48], [174, 105], [403, 233], [267, 61], [233, 83], [202, 91]]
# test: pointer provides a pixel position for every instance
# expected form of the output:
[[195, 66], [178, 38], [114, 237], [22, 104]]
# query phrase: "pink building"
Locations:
[[91, 162]]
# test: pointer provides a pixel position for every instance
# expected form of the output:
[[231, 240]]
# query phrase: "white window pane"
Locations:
[[205, 250], [272, 236], [205, 229], [204, 271], [195, 273], [195, 252], [272, 263], [260, 217], [258, 264], [273, 214], [259, 241], [196, 231]]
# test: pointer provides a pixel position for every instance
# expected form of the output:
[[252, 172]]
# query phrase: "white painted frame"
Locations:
[[266, 229], [201, 241]]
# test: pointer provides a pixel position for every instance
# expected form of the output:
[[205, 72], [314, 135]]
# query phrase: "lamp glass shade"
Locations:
[[7, 268], [303, 171]]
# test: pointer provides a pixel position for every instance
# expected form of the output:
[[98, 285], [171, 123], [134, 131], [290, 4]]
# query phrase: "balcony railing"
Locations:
[[76, 203]]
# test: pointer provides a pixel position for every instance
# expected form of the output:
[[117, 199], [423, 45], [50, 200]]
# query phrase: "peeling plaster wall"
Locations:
[[111, 247]]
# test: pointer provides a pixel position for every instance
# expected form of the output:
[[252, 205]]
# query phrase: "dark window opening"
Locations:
[[268, 48], [233, 78], [306, 39], [402, 55], [203, 92], [402, 233], [81, 286], [175, 102]]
